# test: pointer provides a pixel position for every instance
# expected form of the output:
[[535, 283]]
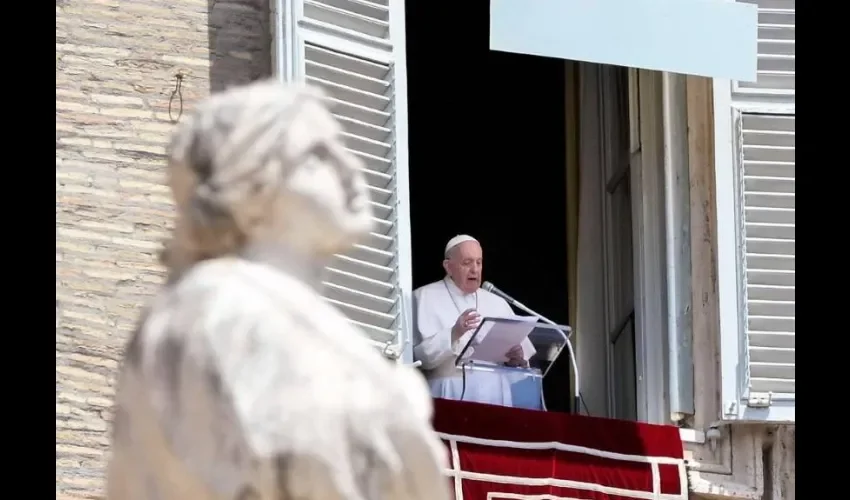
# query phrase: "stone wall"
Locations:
[[117, 66]]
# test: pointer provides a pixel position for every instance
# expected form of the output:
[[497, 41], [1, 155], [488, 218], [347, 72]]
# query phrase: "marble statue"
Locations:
[[240, 381]]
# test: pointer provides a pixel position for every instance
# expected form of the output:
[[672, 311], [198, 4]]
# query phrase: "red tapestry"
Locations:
[[499, 453]]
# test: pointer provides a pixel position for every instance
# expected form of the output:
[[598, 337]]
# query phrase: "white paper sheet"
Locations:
[[496, 338]]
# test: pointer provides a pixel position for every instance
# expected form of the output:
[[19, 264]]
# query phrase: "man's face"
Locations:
[[464, 265]]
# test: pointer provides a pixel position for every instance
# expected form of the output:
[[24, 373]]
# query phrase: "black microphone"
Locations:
[[490, 287]]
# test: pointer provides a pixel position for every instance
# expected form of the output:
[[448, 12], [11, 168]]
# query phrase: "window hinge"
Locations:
[[760, 399], [391, 351]]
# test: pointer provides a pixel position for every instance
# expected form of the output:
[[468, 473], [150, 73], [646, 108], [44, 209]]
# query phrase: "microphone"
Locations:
[[490, 287]]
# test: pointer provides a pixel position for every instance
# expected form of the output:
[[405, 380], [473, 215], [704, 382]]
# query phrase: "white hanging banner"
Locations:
[[713, 38]]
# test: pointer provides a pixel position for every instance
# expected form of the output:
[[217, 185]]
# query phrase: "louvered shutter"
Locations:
[[775, 49], [755, 166], [354, 51]]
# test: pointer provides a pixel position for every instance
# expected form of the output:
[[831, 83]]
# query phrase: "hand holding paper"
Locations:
[[516, 358]]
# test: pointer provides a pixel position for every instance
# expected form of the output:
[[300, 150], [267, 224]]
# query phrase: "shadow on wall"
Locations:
[[239, 42]]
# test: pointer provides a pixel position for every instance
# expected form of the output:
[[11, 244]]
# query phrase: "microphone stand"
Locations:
[[573, 364]]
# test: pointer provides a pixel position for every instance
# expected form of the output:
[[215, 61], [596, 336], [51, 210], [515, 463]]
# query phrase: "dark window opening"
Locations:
[[487, 145]]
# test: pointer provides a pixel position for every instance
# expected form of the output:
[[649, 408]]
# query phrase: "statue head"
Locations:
[[264, 164]]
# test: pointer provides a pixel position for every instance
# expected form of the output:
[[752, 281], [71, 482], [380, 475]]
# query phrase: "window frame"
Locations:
[[404, 258], [648, 245]]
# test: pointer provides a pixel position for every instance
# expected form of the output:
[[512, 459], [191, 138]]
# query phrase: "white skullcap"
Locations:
[[457, 240]]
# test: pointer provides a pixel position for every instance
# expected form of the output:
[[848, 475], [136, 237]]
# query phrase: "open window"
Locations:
[[494, 150], [554, 165], [538, 158], [487, 157]]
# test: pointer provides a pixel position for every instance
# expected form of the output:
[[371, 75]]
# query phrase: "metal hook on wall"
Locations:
[[177, 92]]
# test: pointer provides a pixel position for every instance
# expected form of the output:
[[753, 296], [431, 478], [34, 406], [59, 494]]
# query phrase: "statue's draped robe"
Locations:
[[438, 306], [241, 382]]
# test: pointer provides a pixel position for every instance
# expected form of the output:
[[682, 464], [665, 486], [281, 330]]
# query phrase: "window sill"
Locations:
[[692, 436]]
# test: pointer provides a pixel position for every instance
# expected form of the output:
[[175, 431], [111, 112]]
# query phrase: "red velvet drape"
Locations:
[[492, 450]]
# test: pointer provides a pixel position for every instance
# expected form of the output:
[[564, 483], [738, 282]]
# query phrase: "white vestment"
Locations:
[[438, 306]]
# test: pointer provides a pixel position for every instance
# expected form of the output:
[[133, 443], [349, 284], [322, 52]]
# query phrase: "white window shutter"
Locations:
[[775, 50], [755, 173], [354, 51]]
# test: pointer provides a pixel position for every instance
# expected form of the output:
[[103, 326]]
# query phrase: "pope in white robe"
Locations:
[[447, 313]]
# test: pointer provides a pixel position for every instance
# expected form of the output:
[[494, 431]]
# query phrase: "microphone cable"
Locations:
[[463, 380]]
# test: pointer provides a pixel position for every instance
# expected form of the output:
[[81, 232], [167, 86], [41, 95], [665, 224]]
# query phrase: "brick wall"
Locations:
[[116, 67]]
